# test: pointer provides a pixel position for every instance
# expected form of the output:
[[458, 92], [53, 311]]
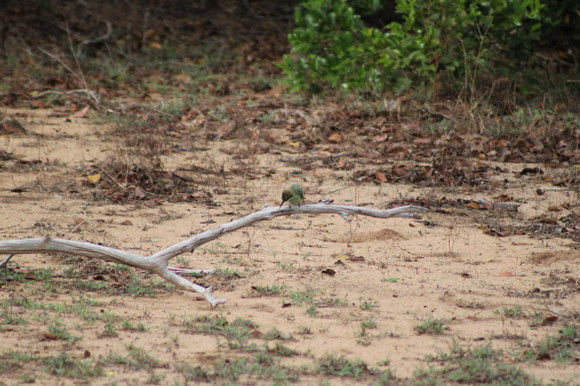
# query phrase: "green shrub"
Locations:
[[333, 49], [457, 40]]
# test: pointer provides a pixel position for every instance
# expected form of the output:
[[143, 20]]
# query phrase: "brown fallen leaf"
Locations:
[[140, 193], [422, 141], [256, 334], [11, 127], [381, 176], [329, 272], [500, 233], [549, 320], [81, 113], [474, 205], [335, 138]]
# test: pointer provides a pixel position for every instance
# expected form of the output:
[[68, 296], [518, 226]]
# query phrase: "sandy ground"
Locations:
[[445, 266]]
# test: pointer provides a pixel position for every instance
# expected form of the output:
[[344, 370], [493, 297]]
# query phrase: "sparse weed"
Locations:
[[305, 296], [369, 323], [127, 325], [384, 362], [281, 350], [472, 366], [432, 327], [514, 312], [65, 366], [271, 290], [228, 274], [331, 365], [369, 305], [140, 359], [312, 310], [61, 333], [559, 347], [275, 334]]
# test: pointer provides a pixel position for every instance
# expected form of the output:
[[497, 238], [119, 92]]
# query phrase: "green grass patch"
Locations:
[[237, 333], [331, 365], [432, 327], [514, 312], [60, 332], [65, 366], [481, 365], [261, 367], [369, 305], [560, 348], [271, 290], [275, 334]]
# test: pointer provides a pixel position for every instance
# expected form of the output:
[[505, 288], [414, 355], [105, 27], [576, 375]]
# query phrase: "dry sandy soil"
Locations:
[[67, 320]]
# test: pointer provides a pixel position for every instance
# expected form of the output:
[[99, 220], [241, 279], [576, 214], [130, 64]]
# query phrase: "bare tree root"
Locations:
[[157, 263]]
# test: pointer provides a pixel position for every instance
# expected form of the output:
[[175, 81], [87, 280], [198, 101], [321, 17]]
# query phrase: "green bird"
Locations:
[[294, 195]]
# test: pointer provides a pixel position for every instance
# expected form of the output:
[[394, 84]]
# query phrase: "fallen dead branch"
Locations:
[[157, 263]]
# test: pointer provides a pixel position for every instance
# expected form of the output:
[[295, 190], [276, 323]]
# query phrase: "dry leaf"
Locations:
[[81, 113], [474, 205], [335, 137], [139, 192], [94, 178], [422, 141], [381, 176], [400, 171]]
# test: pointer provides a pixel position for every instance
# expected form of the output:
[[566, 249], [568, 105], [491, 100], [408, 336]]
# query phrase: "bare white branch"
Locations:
[[157, 263]]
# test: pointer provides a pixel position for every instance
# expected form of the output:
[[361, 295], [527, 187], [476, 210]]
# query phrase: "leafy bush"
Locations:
[[334, 49], [458, 39]]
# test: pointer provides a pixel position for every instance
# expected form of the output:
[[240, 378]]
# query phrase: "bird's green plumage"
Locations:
[[294, 195]]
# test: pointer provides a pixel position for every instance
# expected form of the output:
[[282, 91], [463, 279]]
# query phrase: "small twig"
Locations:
[[6, 260], [297, 112], [509, 206], [78, 91], [185, 271], [77, 74], [556, 312], [542, 190], [103, 38], [4, 268]]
